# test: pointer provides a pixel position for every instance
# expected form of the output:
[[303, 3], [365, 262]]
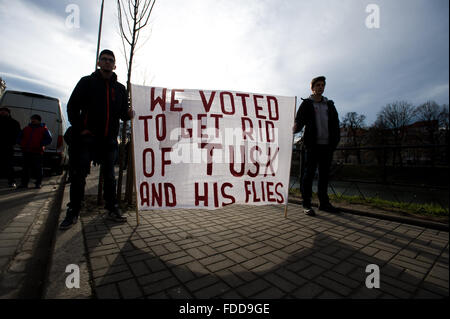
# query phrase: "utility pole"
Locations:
[[100, 177], [99, 34]]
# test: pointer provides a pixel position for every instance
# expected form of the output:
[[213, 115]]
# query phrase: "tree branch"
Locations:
[[124, 35], [148, 16], [134, 15]]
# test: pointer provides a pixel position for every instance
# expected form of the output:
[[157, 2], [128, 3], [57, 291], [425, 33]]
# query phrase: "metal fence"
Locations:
[[407, 174]]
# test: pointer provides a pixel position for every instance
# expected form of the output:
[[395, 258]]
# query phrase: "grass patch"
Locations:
[[428, 211], [295, 192], [415, 208]]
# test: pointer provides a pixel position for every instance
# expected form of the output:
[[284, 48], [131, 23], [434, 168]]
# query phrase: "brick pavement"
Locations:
[[24, 240], [254, 252]]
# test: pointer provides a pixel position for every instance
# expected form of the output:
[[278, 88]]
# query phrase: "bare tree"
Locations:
[[396, 117], [2, 86], [354, 123], [444, 129], [377, 136], [133, 17], [429, 113], [443, 121]]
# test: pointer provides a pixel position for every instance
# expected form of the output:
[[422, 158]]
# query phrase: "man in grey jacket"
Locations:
[[319, 117]]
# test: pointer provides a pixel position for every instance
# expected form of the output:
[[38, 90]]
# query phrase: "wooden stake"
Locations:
[[100, 177], [290, 165], [133, 162], [130, 177]]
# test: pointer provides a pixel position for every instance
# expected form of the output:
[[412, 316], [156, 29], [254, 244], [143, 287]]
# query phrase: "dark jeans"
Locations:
[[6, 165], [32, 166], [317, 156], [83, 152]]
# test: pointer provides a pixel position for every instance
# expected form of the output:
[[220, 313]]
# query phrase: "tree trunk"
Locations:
[[121, 161], [130, 163], [130, 177]]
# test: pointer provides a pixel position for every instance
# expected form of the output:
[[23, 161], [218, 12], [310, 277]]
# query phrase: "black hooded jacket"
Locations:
[[97, 105], [9, 129], [306, 118]]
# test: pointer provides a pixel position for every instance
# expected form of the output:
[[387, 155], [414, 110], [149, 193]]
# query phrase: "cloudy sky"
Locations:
[[260, 46]]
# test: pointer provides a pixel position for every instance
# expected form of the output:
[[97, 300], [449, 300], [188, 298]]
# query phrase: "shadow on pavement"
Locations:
[[256, 253]]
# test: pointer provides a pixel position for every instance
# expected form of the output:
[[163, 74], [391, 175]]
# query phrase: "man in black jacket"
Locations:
[[94, 109], [320, 119], [9, 129]]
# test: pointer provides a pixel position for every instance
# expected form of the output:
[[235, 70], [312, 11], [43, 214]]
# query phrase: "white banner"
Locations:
[[210, 149]]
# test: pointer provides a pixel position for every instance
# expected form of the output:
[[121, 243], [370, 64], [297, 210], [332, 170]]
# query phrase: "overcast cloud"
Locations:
[[269, 46]]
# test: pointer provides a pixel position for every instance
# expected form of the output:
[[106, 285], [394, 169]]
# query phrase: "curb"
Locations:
[[68, 248], [394, 218], [46, 241], [24, 275]]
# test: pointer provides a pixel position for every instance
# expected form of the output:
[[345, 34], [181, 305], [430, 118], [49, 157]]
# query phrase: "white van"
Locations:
[[22, 106]]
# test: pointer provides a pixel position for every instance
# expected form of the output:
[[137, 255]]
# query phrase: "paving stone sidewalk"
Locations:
[[255, 252], [24, 239]]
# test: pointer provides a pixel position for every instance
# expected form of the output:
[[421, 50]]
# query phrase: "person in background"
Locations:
[[33, 139], [319, 117], [9, 130]]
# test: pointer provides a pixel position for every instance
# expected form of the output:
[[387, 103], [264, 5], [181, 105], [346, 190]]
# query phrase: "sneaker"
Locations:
[[70, 220], [329, 208], [12, 185], [307, 209], [115, 214]]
